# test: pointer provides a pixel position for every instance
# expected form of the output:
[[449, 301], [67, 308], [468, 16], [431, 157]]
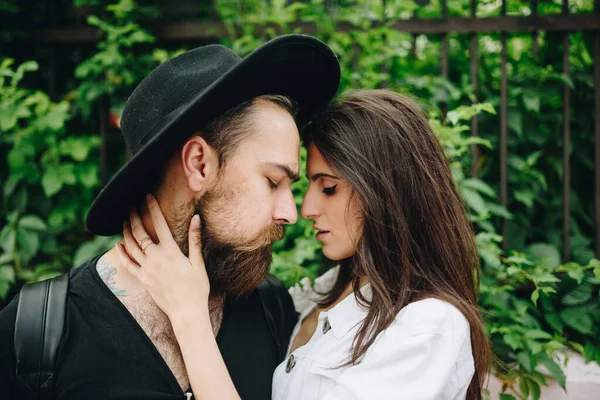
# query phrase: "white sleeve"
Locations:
[[419, 366]]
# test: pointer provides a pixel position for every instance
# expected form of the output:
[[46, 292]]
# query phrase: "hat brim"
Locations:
[[298, 66]]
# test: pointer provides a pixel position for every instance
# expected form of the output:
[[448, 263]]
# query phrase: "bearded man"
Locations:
[[210, 134]]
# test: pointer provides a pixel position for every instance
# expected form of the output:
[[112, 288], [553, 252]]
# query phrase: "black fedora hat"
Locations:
[[183, 94]]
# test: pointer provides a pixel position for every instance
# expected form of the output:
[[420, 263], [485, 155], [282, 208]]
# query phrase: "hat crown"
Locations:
[[171, 85]]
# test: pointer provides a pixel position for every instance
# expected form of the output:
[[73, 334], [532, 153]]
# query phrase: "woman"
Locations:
[[401, 320]]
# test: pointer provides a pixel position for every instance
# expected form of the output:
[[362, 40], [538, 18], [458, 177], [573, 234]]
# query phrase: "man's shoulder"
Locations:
[[273, 292], [272, 283], [8, 314], [277, 301]]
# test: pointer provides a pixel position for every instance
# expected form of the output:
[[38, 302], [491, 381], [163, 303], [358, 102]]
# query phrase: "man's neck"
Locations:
[[129, 290]]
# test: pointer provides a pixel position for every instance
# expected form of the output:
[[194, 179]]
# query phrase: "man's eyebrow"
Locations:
[[321, 175], [287, 170]]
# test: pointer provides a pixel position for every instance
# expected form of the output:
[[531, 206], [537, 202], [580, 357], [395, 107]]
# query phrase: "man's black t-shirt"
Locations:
[[105, 354]]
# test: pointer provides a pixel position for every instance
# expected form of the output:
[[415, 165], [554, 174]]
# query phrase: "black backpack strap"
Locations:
[[39, 327], [279, 311]]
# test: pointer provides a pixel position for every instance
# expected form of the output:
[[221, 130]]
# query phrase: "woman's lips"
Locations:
[[321, 234]]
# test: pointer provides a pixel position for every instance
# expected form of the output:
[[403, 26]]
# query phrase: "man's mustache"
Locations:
[[265, 237]]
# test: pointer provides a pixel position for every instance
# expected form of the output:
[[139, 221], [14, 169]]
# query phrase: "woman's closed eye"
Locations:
[[329, 190], [272, 184]]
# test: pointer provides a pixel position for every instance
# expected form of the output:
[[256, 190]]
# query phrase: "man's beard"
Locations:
[[233, 267]]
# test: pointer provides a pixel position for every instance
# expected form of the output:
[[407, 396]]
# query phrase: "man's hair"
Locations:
[[225, 132]]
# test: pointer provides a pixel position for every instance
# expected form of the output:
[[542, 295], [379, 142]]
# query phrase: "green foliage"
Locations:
[[535, 306], [48, 182], [117, 66]]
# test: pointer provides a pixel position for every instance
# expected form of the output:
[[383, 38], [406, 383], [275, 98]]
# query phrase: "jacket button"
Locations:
[[326, 326], [290, 363]]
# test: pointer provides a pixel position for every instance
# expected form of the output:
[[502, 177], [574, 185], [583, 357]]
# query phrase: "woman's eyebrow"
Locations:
[[322, 175]]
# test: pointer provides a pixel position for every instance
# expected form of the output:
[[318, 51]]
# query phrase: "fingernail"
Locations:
[[149, 197], [196, 220]]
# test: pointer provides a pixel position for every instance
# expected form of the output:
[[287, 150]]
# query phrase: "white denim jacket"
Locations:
[[424, 354]]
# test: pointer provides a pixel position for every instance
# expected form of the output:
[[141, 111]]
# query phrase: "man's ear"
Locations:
[[200, 163]]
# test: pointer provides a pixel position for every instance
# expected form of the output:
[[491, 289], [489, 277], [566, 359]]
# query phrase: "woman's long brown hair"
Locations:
[[416, 241]]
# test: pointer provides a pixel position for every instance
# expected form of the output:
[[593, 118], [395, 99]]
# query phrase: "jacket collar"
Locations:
[[348, 313]]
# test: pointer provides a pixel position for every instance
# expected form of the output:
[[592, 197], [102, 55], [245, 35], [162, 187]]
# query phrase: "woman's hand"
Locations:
[[179, 285]]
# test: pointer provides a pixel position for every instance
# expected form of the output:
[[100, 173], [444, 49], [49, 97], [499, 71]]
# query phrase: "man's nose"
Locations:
[[285, 211]]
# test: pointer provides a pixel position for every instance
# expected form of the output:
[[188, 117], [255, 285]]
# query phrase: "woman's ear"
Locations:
[[200, 163]]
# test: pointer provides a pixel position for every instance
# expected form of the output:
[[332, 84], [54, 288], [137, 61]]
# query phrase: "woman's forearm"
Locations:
[[206, 369]]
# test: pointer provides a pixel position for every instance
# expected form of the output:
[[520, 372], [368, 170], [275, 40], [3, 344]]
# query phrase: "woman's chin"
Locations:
[[334, 254]]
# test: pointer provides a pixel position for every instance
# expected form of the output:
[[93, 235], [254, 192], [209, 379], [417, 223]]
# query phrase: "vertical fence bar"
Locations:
[[474, 64], [597, 126], [535, 34], [503, 128], [566, 144], [52, 67], [383, 67], [444, 55], [413, 50]]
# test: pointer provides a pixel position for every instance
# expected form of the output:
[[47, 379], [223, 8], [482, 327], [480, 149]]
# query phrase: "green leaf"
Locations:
[[29, 242], [524, 387], [578, 319], [537, 334], [8, 239], [7, 278], [498, 210], [8, 118], [591, 353], [512, 340], [474, 200], [527, 360], [546, 278], [544, 252], [6, 258], [76, 148], [577, 274], [503, 396], [535, 390], [553, 319], [555, 371], [479, 186], [525, 197], [535, 296], [532, 102], [88, 175], [32, 222], [11, 184], [51, 181], [579, 295]]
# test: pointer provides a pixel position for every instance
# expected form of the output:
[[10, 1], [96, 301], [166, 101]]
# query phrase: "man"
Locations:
[[210, 134]]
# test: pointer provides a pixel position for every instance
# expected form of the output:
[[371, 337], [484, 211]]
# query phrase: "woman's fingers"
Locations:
[[130, 265], [131, 245], [137, 227], [140, 235], [158, 219], [195, 242]]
